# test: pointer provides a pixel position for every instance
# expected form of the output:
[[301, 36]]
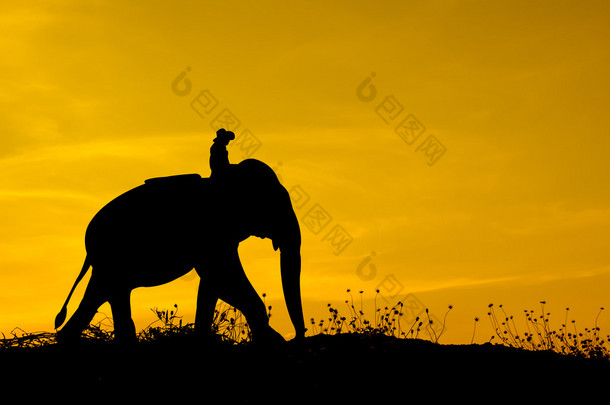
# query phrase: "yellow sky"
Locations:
[[516, 210]]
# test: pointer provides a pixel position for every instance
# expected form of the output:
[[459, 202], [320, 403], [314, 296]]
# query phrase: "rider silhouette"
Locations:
[[219, 162], [219, 156]]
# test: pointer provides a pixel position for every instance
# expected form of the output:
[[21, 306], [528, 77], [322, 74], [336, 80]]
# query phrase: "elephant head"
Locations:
[[262, 208]]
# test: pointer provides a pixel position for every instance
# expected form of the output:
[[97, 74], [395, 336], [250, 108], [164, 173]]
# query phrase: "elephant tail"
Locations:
[[61, 316]]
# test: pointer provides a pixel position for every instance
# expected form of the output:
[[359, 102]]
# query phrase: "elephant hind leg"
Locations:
[[92, 300], [124, 328]]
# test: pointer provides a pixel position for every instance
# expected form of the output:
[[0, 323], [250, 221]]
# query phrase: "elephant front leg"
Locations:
[[224, 278], [207, 297]]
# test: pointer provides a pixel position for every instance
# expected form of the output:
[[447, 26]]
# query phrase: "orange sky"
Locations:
[[516, 210]]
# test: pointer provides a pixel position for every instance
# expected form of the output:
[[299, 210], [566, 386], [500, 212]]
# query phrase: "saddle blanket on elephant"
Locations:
[[178, 179]]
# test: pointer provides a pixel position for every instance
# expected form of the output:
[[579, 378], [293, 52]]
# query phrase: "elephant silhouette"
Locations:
[[162, 229]]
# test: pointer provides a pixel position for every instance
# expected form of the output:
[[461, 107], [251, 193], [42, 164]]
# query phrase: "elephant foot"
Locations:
[[128, 339], [267, 336], [206, 335], [67, 337], [125, 333]]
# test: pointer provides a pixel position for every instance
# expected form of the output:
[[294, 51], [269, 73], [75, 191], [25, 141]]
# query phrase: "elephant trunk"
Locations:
[[290, 263]]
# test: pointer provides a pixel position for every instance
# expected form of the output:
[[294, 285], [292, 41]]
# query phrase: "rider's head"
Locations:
[[224, 135]]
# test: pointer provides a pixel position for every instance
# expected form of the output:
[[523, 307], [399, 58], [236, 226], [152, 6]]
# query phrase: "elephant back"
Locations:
[[134, 220]]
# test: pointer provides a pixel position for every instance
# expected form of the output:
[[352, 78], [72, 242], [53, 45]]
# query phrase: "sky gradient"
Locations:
[[342, 100]]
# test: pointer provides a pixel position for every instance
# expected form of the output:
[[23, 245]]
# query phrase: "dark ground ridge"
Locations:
[[322, 369]]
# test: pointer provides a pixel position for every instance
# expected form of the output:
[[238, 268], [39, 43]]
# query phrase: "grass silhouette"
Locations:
[[388, 321], [539, 334], [230, 326], [347, 356]]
